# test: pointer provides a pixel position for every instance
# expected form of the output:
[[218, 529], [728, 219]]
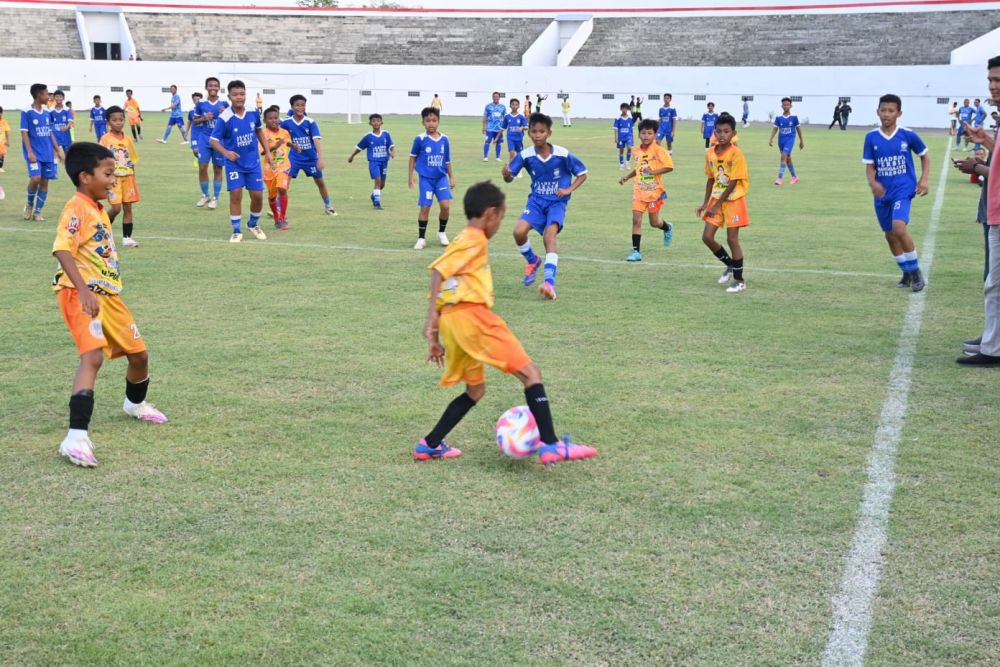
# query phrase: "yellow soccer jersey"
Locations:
[[465, 267], [126, 157], [4, 130], [277, 143], [132, 110], [649, 188], [726, 167], [85, 232]]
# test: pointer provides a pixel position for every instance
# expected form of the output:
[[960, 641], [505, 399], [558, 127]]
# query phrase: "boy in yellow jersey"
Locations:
[[125, 192], [276, 178], [725, 201], [87, 286], [4, 139], [131, 107], [461, 325], [651, 161]]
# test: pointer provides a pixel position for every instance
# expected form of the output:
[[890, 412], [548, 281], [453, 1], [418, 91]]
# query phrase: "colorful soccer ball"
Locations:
[[517, 433]]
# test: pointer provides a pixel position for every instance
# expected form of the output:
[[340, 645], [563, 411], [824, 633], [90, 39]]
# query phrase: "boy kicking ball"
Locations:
[[652, 161]]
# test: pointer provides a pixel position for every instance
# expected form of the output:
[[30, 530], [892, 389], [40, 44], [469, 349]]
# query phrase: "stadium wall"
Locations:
[[406, 89]]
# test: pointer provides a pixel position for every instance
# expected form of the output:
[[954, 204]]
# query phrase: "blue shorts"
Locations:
[[47, 170], [516, 145], [100, 129], [178, 121], [378, 169], [194, 144], [540, 213], [431, 188], [887, 210], [667, 134], [208, 154], [238, 178], [786, 147], [309, 168], [622, 143], [64, 143], [493, 135]]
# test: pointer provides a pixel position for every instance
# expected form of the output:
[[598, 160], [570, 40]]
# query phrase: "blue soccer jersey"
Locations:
[[966, 114], [624, 126], [709, 120], [239, 134], [38, 125], [204, 108], [786, 129], [376, 146], [893, 159], [97, 115], [667, 117], [175, 107], [979, 117], [494, 114], [197, 129], [515, 124], [432, 155], [555, 172], [303, 133], [61, 119]]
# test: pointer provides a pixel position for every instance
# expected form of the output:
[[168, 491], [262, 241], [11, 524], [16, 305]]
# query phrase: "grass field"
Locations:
[[279, 517]]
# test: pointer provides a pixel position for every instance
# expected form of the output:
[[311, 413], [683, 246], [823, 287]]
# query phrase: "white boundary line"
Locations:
[[572, 258], [853, 604]]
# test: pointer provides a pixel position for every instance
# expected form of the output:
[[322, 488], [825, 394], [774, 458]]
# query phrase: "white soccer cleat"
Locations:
[[443, 238], [486, 159], [212, 203], [146, 412], [27, 212], [203, 200], [3, 195], [161, 141], [420, 244], [130, 242], [726, 276], [330, 211], [737, 287], [236, 237], [259, 233], [79, 450], [184, 143]]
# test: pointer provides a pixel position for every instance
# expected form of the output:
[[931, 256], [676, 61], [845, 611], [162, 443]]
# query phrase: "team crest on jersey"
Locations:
[[555, 173], [35, 121], [74, 225], [904, 145], [427, 149]]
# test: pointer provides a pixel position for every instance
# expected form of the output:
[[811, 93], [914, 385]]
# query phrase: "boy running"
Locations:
[[207, 113], [134, 114], [623, 135], [652, 161], [40, 150], [515, 123], [464, 334], [668, 116], [492, 126], [786, 126], [279, 144], [430, 158], [308, 155], [380, 149], [125, 191], [98, 121], [176, 117]]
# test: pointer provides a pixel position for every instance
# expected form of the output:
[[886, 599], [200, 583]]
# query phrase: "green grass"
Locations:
[[278, 518]]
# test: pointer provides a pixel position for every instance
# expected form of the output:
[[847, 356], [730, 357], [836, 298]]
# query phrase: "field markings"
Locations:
[[854, 602], [572, 258]]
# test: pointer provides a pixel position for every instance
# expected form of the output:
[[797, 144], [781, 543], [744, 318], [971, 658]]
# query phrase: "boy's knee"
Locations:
[[139, 358], [476, 391], [531, 375], [93, 359]]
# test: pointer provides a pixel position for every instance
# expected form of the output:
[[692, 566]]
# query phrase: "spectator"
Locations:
[[836, 117], [845, 112], [953, 117], [436, 104]]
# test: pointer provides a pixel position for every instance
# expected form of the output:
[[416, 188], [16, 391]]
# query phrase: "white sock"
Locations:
[[77, 433], [376, 192], [524, 248], [552, 258]]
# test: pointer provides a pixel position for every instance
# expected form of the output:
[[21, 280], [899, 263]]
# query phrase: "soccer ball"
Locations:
[[517, 433]]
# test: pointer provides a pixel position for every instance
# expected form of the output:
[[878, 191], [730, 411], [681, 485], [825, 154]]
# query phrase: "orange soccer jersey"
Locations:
[[4, 133], [724, 168], [126, 157], [649, 188], [131, 107], [278, 144]]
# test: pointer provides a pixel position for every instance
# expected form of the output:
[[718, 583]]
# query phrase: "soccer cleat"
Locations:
[[130, 242], [621, 166], [377, 206], [778, 181], [3, 195], [38, 217], [726, 276], [236, 237], [564, 451], [442, 238], [146, 412], [795, 179], [970, 349], [204, 199], [420, 244], [974, 341], [917, 281], [212, 203], [668, 234], [424, 453], [905, 281], [979, 359], [329, 211], [548, 290], [531, 270], [258, 232], [634, 256], [161, 141], [27, 212], [499, 159], [737, 287], [486, 159], [282, 225], [79, 450]]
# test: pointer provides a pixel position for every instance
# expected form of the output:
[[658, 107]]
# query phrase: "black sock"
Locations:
[[453, 414], [538, 403], [133, 133], [738, 269], [724, 257], [81, 407], [127, 229], [136, 393], [421, 228], [636, 241], [442, 224]]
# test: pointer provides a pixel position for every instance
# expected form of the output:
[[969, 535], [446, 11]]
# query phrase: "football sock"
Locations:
[[326, 201], [134, 135], [621, 158], [901, 262], [551, 267], [636, 240], [738, 269], [910, 261], [486, 149], [216, 188], [421, 228], [377, 194], [127, 229], [791, 169], [283, 204], [135, 392], [781, 170], [453, 414], [442, 224], [40, 200], [526, 252], [81, 407], [538, 403], [235, 220], [628, 157], [31, 198], [254, 219], [498, 150], [724, 257], [204, 188], [273, 204], [166, 133]]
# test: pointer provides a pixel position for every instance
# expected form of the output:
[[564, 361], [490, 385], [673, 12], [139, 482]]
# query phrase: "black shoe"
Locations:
[[974, 341], [979, 360], [916, 281], [906, 280]]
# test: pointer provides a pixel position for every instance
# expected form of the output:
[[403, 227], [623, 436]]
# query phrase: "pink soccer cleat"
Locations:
[[78, 448], [424, 453], [777, 181], [146, 412], [564, 451], [548, 290], [795, 179]]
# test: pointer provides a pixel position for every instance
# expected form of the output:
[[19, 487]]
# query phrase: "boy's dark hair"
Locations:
[[69, 104], [275, 107], [649, 124], [110, 111], [196, 94], [37, 88], [993, 62], [295, 98], [84, 156], [786, 99], [1, 109], [173, 85], [235, 83], [540, 118], [495, 92], [668, 95], [515, 100], [128, 90], [59, 93], [891, 99], [624, 105], [726, 118], [212, 78], [272, 109], [711, 104], [373, 116], [480, 197], [429, 111], [97, 97]]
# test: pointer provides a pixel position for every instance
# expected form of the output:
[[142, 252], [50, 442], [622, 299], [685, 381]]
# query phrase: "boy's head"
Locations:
[[298, 104], [431, 119], [965, 102], [272, 117], [539, 128], [1, 111], [39, 92], [515, 104], [97, 100], [116, 118], [91, 167], [237, 93], [375, 120], [60, 97], [128, 93], [711, 107], [993, 78], [667, 98], [173, 90], [786, 104], [624, 107], [890, 108], [496, 97], [69, 105], [725, 129], [196, 97], [485, 206], [647, 131], [212, 86], [977, 102]]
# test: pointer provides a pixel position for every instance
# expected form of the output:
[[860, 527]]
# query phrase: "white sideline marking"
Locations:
[[852, 605], [573, 258]]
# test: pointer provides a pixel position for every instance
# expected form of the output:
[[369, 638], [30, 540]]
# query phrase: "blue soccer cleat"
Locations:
[[634, 256], [668, 234], [531, 270]]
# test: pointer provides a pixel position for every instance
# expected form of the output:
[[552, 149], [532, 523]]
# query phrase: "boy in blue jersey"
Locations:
[[965, 115], [708, 120], [40, 150], [206, 113], [308, 154], [746, 113], [380, 149], [624, 139], [555, 174], [492, 126], [62, 121], [515, 124], [98, 122], [176, 116], [239, 136], [195, 132], [430, 158], [668, 116], [786, 126], [978, 118], [889, 165]]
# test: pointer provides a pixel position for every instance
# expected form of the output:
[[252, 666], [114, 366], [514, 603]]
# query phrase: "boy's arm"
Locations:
[[802, 142], [263, 147], [631, 174], [320, 162], [392, 151], [577, 182], [88, 302], [877, 188], [451, 177], [56, 147], [774, 131], [484, 122], [925, 173], [356, 151], [409, 176], [708, 195], [435, 351], [27, 146]]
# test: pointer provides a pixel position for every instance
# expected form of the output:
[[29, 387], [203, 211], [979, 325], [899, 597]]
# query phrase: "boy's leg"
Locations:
[[41, 196], [127, 224], [76, 446], [135, 137], [733, 240], [552, 450], [486, 146], [236, 213], [551, 268], [166, 132], [136, 387], [708, 238], [905, 250], [256, 208], [444, 211], [217, 181], [423, 214], [498, 147], [636, 236], [454, 413], [202, 182], [521, 229], [29, 208], [324, 195], [791, 168], [114, 211]]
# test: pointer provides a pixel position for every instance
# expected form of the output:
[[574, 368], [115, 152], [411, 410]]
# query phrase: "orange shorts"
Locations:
[[113, 330], [474, 335], [730, 214], [649, 206], [276, 181], [125, 191]]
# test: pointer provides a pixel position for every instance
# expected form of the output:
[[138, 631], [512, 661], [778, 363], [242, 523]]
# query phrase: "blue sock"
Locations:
[[235, 220], [31, 198], [40, 200], [526, 252], [551, 267], [498, 149], [911, 261], [486, 149], [216, 188], [791, 169], [254, 219], [621, 158], [326, 202], [901, 262], [204, 188], [166, 132], [628, 157], [781, 170]]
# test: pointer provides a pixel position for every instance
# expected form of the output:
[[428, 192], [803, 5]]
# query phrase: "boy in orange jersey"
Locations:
[[460, 322], [87, 286], [4, 138], [652, 161], [725, 201], [276, 174], [125, 192], [131, 107]]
